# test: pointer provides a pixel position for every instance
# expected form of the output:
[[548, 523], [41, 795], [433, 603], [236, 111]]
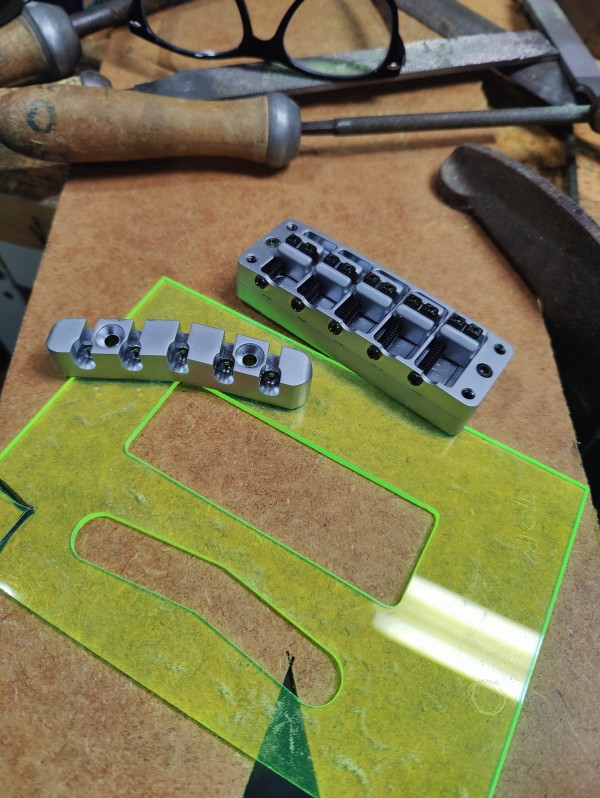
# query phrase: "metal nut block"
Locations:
[[115, 349]]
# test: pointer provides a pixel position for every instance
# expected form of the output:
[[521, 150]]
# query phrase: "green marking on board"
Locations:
[[286, 747], [13, 512]]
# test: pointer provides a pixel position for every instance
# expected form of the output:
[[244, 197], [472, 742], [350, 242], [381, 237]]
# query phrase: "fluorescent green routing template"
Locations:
[[430, 688]]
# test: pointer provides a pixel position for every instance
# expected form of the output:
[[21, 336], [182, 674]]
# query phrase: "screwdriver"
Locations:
[[76, 124], [43, 41]]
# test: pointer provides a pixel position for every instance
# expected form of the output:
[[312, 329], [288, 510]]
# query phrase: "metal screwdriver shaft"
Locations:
[[364, 125]]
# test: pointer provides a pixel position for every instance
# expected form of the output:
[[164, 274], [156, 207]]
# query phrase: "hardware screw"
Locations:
[[293, 227], [251, 258], [260, 281], [334, 327], [500, 349], [297, 304], [374, 352], [414, 378], [468, 393], [484, 370]]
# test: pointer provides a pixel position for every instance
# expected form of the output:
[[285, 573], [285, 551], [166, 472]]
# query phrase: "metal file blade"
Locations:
[[451, 18], [424, 59]]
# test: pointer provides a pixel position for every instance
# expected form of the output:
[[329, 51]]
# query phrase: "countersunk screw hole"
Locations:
[[249, 360], [291, 226], [251, 258], [468, 393], [272, 242], [484, 370], [415, 379], [260, 281], [499, 349], [112, 340]]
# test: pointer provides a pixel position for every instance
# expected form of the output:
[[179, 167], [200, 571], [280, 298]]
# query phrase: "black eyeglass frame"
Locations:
[[273, 50]]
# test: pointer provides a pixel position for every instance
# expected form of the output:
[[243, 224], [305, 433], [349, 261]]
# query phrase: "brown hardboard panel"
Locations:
[[72, 724]]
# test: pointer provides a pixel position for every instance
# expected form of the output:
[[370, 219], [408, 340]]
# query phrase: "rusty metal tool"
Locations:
[[555, 247]]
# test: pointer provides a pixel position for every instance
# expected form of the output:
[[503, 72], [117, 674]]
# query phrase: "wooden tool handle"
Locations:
[[69, 123], [22, 58], [41, 43]]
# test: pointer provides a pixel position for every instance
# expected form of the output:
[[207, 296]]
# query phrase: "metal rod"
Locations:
[[363, 125]]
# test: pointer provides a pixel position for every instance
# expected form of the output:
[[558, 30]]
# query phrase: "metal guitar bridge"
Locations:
[[408, 343]]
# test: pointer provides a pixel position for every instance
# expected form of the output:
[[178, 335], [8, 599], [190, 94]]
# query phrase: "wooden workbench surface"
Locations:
[[71, 725]]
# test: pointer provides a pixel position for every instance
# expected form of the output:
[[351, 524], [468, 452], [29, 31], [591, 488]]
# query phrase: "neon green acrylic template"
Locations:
[[429, 689]]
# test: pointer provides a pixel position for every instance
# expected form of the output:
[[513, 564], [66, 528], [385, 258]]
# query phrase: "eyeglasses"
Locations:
[[315, 37]]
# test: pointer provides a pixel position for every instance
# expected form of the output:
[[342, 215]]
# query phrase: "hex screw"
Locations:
[[484, 370], [297, 304], [334, 327], [260, 281], [415, 379], [374, 352], [468, 393], [500, 349]]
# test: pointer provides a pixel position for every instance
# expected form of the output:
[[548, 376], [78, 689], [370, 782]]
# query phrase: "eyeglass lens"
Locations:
[[318, 30]]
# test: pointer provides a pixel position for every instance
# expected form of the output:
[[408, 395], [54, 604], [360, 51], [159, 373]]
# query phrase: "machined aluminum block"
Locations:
[[114, 349], [438, 362]]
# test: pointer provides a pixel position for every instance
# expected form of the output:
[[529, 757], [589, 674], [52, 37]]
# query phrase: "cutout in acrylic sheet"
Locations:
[[429, 689]]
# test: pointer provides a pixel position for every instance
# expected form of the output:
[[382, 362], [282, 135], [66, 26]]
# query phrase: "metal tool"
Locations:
[[585, 16], [577, 61], [54, 123], [451, 18], [43, 41], [555, 247], [411, 345], [115, 349], [364, 125], [424, 59]]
